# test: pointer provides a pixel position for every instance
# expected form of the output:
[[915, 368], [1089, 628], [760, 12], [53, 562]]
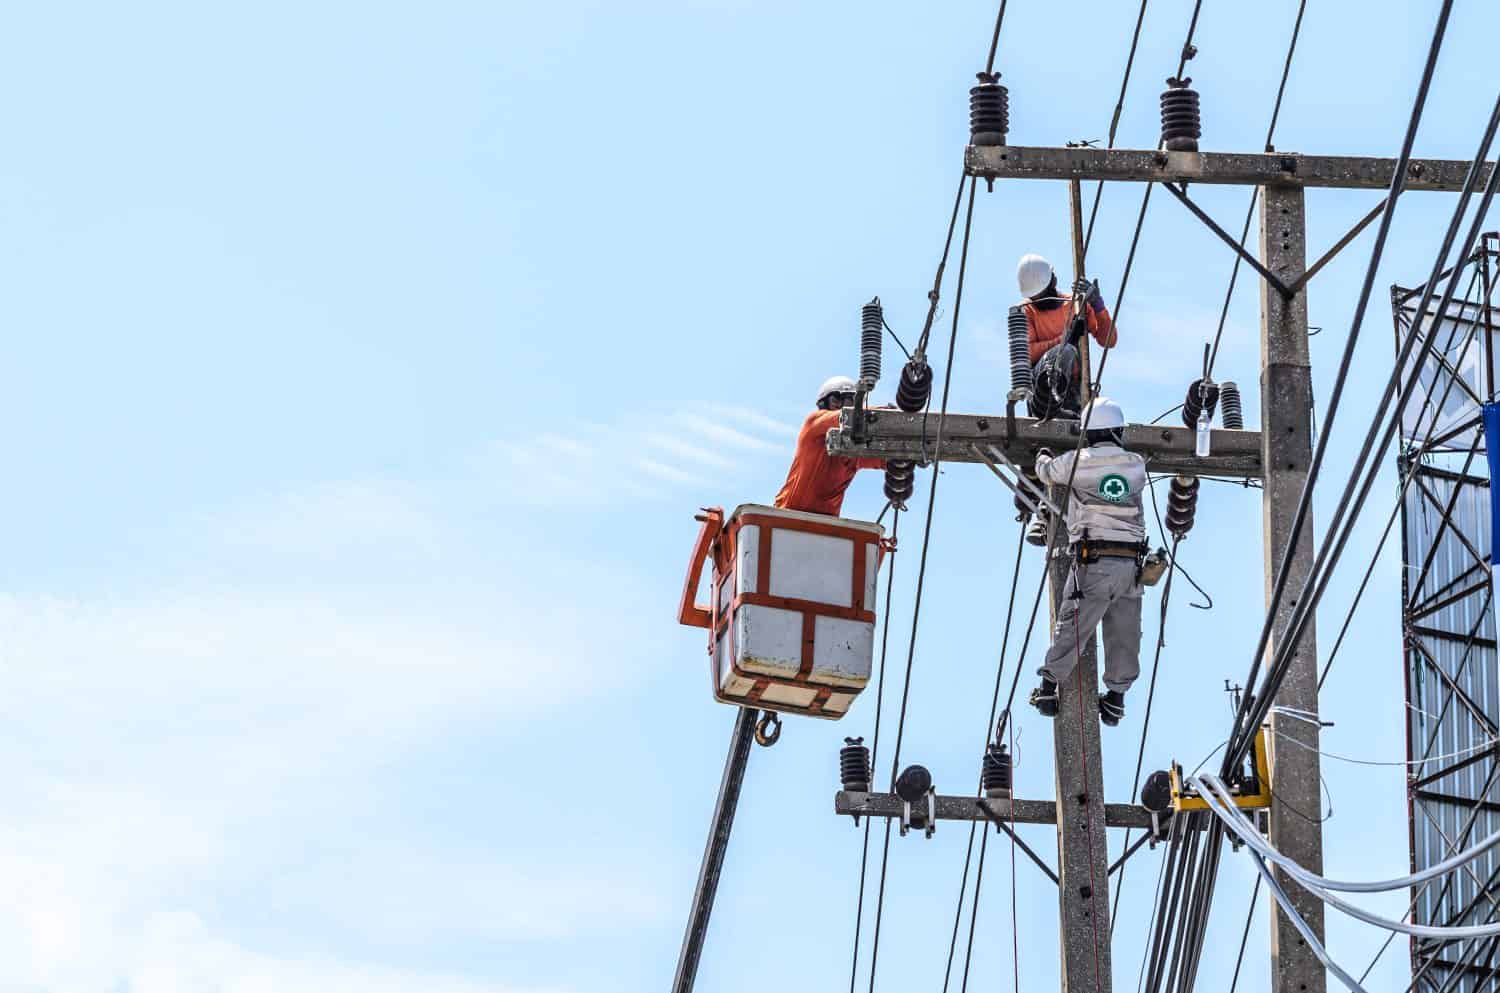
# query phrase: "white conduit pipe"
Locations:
[[1322, 882], [1223, 807], [1303, 928]]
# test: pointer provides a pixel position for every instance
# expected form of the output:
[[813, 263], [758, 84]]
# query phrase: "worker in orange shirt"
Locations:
[[817, 481], [1053, 331], [1052, 334]]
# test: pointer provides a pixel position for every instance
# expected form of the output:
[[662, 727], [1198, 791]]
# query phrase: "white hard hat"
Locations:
[[1103, 414], [835, 384], [1033, 273]]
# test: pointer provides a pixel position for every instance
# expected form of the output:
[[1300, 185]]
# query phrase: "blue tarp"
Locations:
[[1492, 452]]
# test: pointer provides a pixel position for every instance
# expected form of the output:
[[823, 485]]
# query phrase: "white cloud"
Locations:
[[586, 463], [756, 419]]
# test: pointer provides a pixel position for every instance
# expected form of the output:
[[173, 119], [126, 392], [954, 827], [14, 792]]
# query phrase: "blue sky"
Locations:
[[368, 362]]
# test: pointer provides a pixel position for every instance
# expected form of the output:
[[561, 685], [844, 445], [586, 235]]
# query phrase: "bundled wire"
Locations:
[[1253, 708], [1221, 802]]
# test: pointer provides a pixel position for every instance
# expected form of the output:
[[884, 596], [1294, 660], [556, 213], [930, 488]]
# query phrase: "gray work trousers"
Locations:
[[1112, 595]]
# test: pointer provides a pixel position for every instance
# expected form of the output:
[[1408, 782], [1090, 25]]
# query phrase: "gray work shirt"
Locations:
[[1108, 490]]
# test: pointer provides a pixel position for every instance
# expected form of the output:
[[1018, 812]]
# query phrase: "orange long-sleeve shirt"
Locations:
[[1046, 328], [816, 481]]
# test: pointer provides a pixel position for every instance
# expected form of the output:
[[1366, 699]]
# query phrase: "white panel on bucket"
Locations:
[[747, 553], [791, 696], [815, 567], [838, 703], [872, 566], [768, 640], [842, 651]]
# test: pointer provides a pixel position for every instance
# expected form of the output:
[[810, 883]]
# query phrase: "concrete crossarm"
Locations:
[[1167, 448], [1347, 172], [964, 808]]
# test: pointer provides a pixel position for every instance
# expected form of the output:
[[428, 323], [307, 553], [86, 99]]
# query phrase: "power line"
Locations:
[[922, 569], [1240, 739]]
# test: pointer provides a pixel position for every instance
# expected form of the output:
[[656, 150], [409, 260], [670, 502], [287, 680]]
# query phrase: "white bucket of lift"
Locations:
[[792, 618]]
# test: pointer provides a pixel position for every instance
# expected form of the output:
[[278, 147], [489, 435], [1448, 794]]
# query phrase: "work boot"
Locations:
[[1036, 529], [1044, 698], [1111, 707]]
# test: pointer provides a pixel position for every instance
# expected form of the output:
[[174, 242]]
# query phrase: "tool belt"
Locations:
[[1087, 550]]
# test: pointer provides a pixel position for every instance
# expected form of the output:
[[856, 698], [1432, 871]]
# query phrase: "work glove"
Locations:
[[1089, 290], [1042, 453]]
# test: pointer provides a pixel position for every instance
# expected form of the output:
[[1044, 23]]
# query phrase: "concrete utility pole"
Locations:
[[1082, 843], [1286, 434], [1280, 454]]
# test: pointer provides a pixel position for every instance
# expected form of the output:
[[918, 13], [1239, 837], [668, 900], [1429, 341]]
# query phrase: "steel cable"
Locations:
[[922, 570], [1347, 511]]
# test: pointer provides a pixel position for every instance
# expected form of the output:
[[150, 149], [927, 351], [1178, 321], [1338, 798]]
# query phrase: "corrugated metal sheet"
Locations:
[[1453, 692]]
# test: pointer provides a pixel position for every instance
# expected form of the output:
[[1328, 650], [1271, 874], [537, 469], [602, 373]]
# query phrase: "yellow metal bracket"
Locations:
[[1252, 793]]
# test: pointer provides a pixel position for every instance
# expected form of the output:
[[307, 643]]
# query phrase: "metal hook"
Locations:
[[768, 729]]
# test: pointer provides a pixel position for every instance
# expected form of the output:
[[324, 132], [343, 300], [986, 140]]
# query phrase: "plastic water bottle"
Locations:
[[1202, 442]]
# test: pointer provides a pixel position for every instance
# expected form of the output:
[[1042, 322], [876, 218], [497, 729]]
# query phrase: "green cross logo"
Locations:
[[1114, 488]]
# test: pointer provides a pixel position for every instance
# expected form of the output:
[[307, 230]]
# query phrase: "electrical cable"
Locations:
[[1288, 908], [1140, 754], [1347, 511], [1114, 123], [1243, 731], [989, 723], [922, 567], [1245, 937], [885, 635], [989, 63], [1286, 71], [1221, 802]]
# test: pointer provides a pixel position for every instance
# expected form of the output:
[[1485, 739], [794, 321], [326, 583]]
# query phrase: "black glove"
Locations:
[[1089, 290]]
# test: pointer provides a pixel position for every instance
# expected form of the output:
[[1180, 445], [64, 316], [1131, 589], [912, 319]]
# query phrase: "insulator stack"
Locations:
[[1198, 399], [900, 480], [995, 776], [1181, 124], [1020, 350], [1230, 412], [871, 336], [854, 766], [915, 388], [1182, 505], [989, 111]]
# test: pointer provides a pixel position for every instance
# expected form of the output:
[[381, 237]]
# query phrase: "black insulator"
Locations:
[[995, 776], [854, 766], [1020, 350], [1182, 505], [915, 388], [871, 336], [1199, 396], [1230, 412], [989, 111], [900, 480], [913, 783], [1181, 124], [1156, 795]]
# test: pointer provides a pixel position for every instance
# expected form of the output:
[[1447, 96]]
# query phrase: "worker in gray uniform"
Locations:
[[1107, 540]]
